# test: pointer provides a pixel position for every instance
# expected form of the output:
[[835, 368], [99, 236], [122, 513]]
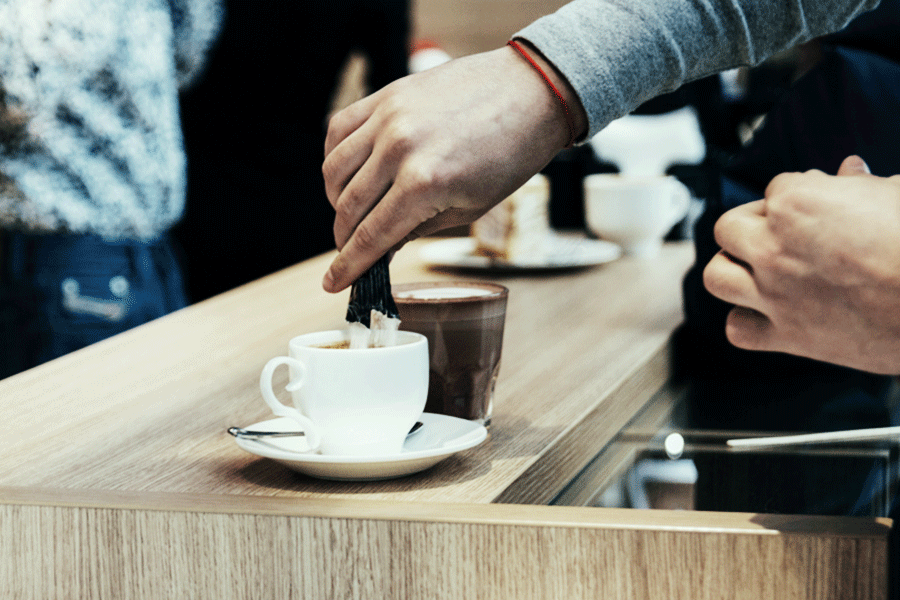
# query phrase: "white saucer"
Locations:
[[564, 252], [439, 437]]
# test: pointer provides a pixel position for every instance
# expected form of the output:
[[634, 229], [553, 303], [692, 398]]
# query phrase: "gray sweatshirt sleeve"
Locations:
[[617, 54]]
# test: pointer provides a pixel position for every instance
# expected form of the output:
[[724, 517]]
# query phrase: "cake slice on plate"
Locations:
[[518, 229]]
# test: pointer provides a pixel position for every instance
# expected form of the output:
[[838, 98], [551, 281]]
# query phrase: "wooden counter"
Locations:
[[117, 479]]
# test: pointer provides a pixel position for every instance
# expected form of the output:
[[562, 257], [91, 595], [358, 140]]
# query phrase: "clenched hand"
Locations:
[[814, 268]]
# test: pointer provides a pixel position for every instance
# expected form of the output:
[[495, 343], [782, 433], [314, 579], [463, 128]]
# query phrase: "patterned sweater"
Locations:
[[90, 137]]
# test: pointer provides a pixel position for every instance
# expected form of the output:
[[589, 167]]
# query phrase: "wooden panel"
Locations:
[[456, 551]]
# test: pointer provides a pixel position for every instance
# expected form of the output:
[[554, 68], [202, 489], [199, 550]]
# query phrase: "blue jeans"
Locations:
[[60, 293]]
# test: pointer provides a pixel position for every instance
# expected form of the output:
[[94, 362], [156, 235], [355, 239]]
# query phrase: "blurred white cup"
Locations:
[[650, 144], [635, 212]]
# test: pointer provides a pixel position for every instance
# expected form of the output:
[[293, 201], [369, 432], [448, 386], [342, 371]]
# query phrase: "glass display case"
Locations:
[[657, 461]]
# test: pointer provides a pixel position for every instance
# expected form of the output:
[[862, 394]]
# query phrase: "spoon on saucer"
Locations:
[[253, 435]]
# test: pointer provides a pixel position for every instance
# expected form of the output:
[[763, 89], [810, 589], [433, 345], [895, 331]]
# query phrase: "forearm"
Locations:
[[570, 109], [616, 54]]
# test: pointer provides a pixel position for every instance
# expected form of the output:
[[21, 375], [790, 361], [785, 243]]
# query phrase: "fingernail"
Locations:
[[854, 164], [328, 281]]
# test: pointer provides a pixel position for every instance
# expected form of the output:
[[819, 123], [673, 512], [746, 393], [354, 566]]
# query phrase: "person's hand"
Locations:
[[437, 149], [814, 268]]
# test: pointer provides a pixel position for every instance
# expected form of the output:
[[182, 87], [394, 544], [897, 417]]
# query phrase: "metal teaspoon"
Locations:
[[253, 435]]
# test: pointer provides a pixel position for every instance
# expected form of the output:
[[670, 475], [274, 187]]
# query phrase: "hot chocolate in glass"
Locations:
[[463, 322]]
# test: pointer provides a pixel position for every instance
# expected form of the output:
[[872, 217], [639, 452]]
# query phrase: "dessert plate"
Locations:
[[439, 437], [564, 252]]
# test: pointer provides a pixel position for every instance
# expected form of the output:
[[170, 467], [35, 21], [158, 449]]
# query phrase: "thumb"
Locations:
[[854, 165]]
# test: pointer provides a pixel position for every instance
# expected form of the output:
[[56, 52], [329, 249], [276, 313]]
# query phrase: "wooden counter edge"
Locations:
[[496, 514], [574, 449]]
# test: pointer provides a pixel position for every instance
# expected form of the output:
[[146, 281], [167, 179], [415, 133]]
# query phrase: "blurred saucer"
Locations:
[[439, 437], [564, 252]]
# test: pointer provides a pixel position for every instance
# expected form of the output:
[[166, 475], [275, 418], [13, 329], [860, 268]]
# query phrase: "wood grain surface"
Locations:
[[147, 410], [117, 479], [345, 549]]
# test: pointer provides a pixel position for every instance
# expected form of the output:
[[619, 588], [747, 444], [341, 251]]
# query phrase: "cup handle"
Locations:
[[313, 435], [681, 201]]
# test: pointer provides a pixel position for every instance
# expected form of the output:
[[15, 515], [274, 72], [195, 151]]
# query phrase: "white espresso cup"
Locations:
[[359, 402], [635, 212]]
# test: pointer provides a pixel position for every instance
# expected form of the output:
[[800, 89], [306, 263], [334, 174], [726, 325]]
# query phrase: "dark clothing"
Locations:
[[849, 103], [254, 129]]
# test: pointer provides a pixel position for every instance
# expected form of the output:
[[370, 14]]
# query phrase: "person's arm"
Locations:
[[619, 53], [440, 148], [814, 268]]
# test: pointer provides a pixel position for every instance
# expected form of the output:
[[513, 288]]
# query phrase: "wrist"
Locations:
[[574, 116]]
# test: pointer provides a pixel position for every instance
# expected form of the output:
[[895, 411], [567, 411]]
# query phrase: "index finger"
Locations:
[[348, 120], [738, 231], [385, 228]]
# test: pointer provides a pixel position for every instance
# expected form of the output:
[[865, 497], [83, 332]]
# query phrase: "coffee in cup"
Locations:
[[358, 402], [463, 322]]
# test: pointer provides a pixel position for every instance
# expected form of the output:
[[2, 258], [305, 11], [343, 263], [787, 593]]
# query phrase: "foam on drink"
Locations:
[[444, 293]]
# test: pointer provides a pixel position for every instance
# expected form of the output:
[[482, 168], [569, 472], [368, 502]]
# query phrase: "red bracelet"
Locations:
[[569, 119]]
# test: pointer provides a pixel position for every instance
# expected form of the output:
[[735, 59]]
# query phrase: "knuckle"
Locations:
[[392, 103], [424, 176], [721, 226], [339, 231], [348, 211], [337, 129], [711, 280], [782, 211], [780, 204], [400, 136], [345, 208], [791, 192], [367, 239], [736, 335], [779, 183], [739, 333], [330, 169], [418, 178]]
